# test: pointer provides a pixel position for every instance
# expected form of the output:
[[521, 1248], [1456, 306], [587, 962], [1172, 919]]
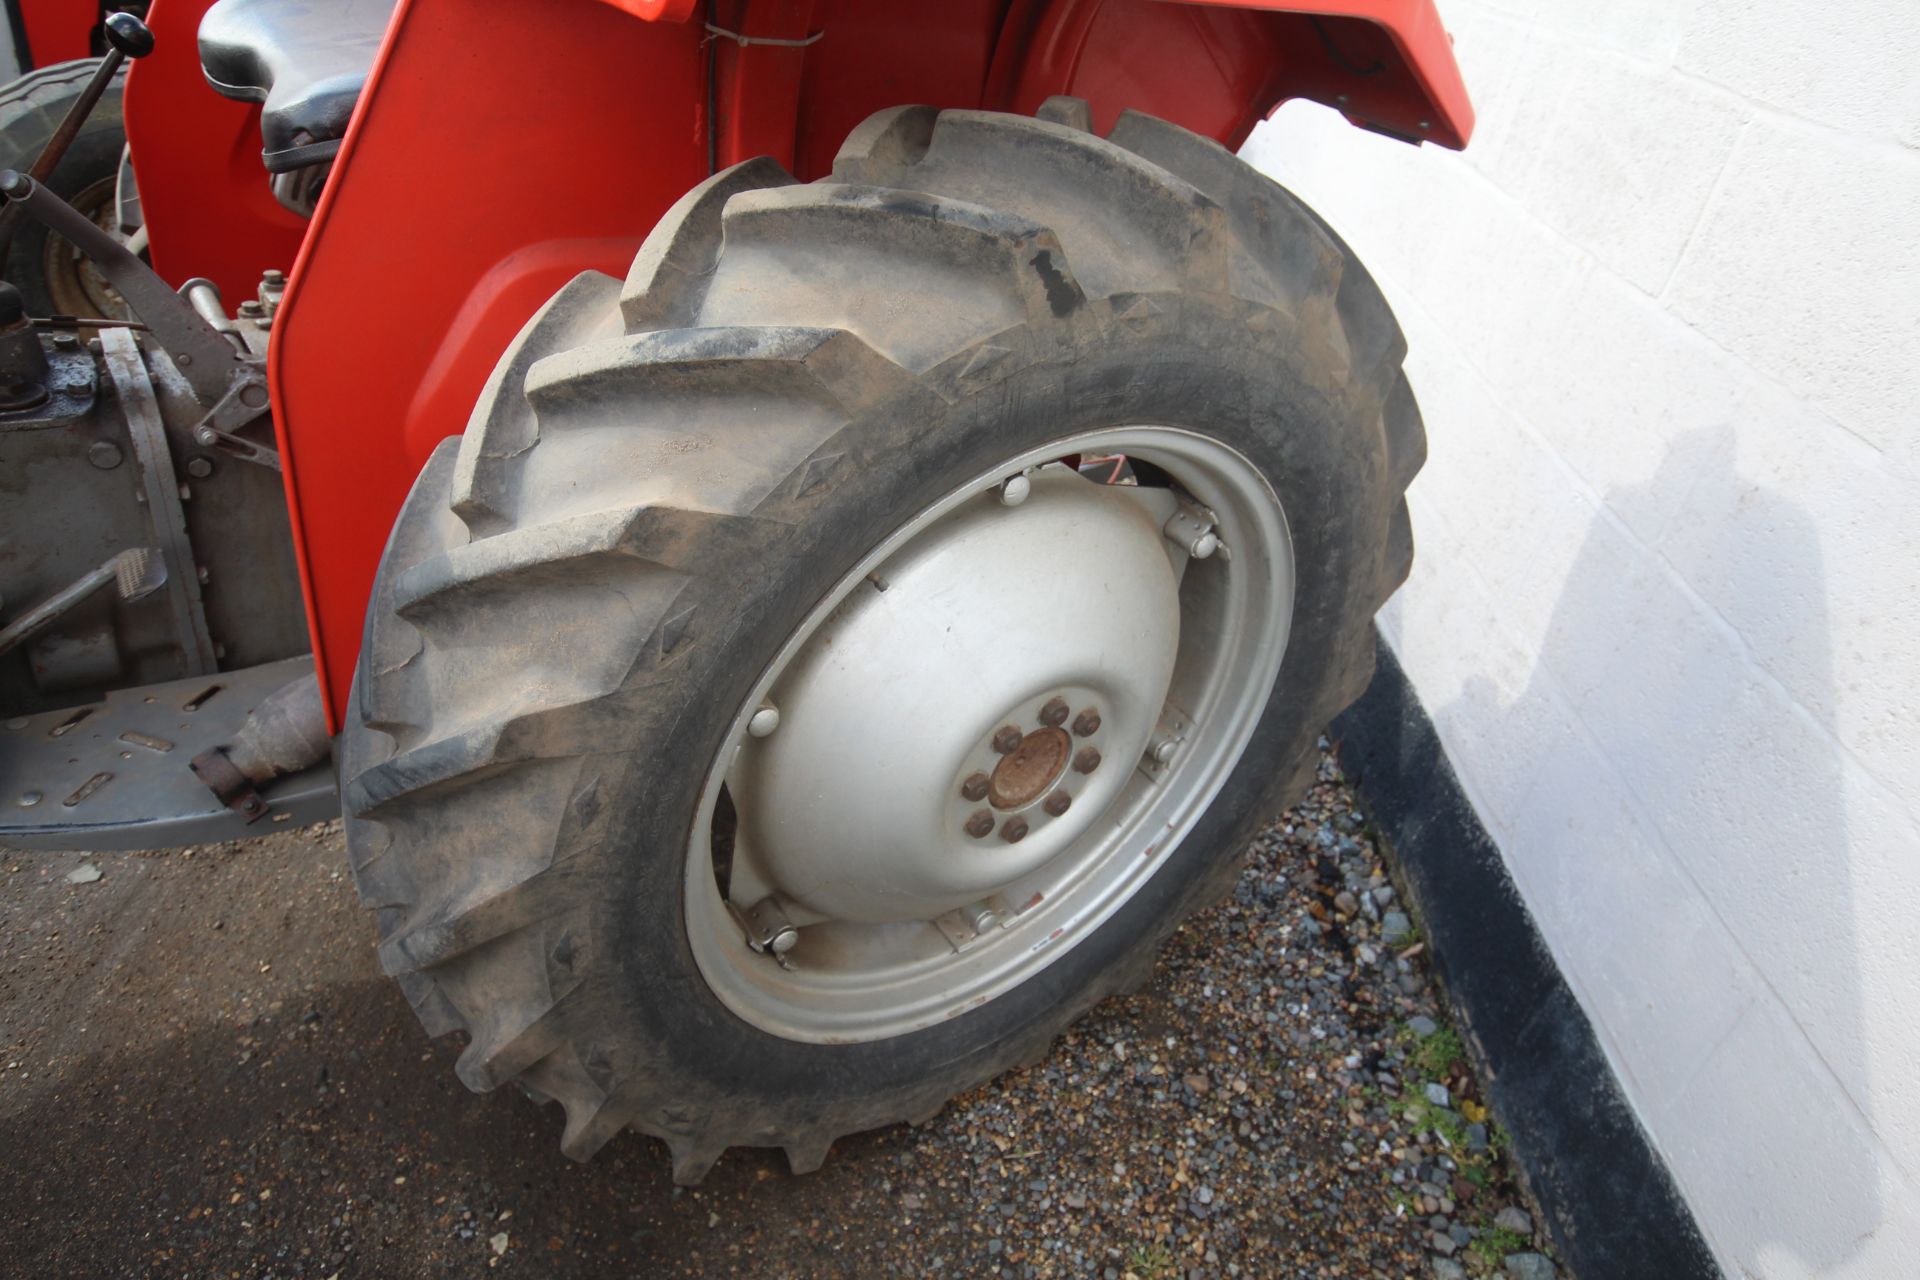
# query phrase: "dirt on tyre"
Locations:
[[840, 654], [50, 273]]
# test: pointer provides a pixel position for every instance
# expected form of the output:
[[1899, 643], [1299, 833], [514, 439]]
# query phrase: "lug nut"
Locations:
[[1006, 739], [1014, 490], [1087, 761], [1087, 723], [975, 787], [980, 825], [1054, 714], [1014, 830], [1057, 803]]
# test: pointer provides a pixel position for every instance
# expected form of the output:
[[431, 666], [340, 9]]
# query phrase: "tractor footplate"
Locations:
[[114, 774]]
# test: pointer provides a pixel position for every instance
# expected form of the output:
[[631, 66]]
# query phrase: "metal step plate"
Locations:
[[113, 774]]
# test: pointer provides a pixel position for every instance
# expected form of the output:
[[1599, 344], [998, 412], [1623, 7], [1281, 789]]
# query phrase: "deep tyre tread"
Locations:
[[665, 471]]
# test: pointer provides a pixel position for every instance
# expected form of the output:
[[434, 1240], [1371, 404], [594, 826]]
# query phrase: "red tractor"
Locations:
[[801, 535]]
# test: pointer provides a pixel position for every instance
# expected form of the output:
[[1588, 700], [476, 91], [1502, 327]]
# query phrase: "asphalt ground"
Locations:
[[204, 1073]]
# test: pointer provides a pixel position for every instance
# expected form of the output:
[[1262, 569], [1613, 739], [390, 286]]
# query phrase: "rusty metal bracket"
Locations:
[[228, 783]]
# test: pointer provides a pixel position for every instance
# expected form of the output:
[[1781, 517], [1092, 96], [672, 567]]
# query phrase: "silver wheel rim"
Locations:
[[851, 912]]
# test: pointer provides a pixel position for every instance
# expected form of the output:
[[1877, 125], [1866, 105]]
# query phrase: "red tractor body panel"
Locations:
[[499, 150]]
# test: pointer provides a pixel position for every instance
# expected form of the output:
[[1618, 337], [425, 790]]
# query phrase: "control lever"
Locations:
[[127, 37], [205, 359], [137, 572]]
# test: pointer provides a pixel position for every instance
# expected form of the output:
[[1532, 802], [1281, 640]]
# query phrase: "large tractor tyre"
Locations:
[[838, 656], [52, 275]]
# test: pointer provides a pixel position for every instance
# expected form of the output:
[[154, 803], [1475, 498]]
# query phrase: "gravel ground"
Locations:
[[202, 1072]]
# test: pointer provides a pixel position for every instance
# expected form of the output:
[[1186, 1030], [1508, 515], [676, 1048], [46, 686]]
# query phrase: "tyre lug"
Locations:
[[1054, 714], [980, 825], [1057, 803], [1087, 723], [975, 787], [1087, 761], [1006, 739], [1014, 490], [764, 721], [1014, 830]]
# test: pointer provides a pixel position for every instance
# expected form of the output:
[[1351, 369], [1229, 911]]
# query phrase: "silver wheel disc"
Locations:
[[987, 737]]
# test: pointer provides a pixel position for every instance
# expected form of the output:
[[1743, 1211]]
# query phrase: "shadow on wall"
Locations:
[[1694, 862]]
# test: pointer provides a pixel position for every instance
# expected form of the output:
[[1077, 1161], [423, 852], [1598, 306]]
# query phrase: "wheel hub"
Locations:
[[944, 736]]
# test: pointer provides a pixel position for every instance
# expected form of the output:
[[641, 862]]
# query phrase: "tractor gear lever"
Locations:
[[127, 37]]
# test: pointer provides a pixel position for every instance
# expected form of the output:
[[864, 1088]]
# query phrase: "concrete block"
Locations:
[[1808, 545], [1650, 29], [1851, 68], [1783, 1173], [1594, 874], [1807, 266], [1627, 159]]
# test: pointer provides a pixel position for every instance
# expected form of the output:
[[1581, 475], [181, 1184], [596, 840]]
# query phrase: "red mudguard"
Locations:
[[500, 149]]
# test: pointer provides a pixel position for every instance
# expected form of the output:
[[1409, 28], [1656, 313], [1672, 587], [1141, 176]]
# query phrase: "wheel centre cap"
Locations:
[[932, 732]]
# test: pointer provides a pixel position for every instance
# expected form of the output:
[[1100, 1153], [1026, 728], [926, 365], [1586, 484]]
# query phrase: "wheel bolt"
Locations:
[[1014, 830], [1087, 723], [975, 787], [1057, 803], [1087, 761], [1006, 739], [1054, 714], [980, 825]]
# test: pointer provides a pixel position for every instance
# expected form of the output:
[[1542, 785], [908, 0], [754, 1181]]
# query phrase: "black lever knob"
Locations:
[[129, 35]]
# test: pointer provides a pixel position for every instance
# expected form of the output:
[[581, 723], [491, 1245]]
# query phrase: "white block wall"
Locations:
[[1665, 327]]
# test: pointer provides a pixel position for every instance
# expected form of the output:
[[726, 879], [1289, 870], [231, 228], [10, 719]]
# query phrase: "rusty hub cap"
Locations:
[[1030, 768]]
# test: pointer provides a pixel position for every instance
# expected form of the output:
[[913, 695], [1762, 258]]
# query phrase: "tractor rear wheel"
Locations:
[[52, 275], [841, 653]]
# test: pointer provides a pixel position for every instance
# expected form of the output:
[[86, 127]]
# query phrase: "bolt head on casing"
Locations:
[[764, 721], [1014, 490], [104, 454]]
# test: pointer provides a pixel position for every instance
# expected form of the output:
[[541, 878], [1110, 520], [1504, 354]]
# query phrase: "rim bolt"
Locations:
[[1087, 761], [1057, 803], [1014, 830], [764, 721], [1006, 739], [1054, 714], [1014, 490], [980, 825], [1087, 723], [982, 917], [1163, 749], [975, 787]]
